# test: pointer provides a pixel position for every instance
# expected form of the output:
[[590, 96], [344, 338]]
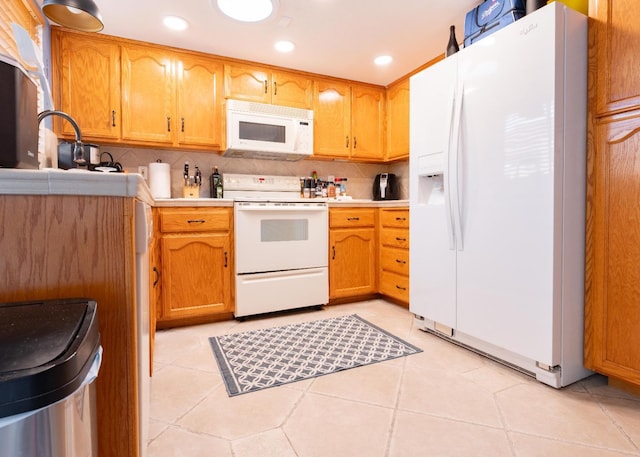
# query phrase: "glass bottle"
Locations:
[[452, 47], [215, 183]]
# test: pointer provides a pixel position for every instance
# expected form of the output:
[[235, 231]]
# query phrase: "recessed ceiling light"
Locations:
[[284, 46], [383, 60], [175, 23], [247, 10]]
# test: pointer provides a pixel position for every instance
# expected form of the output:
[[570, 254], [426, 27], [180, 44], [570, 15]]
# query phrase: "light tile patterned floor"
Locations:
[[445, 401]]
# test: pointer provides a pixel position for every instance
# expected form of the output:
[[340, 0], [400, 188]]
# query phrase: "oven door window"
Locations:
[[255, 131], [274, 230]]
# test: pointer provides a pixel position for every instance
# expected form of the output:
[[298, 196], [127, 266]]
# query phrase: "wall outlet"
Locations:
[[144, 171]]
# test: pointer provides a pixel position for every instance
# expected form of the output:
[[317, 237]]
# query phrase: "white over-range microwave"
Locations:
[[258, 130]]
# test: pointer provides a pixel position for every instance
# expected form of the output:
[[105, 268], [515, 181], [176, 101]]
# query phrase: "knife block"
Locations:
[[191, 191]]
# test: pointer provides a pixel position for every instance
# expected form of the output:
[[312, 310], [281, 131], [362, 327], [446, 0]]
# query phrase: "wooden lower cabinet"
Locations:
[[56, 247], [612, 298], [352, 252], [394, 253], [196, 265]]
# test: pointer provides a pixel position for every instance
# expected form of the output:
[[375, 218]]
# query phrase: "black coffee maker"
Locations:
[[385, 187]]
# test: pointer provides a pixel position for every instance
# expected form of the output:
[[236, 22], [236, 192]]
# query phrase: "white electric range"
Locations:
[[281, 244]]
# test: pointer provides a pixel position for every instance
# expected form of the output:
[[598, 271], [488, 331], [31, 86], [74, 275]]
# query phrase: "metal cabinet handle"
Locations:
[[333, 257], [155, 270], [353, 218], [196, 221], [226, 260], [401, 288], [113, 118], [347, 141], [400, 239], [355, 142], [401, 261], [168, 123], [275, 88], [401, 218], [182, 124], [266, 86]]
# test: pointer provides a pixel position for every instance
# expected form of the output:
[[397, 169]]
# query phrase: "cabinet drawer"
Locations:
[[394, 218], [395, 259], [395, 285], [194, 219], [352, 217], [398, 238]]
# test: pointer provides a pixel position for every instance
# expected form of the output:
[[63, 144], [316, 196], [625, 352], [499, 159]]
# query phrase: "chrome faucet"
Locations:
[[78, 149]]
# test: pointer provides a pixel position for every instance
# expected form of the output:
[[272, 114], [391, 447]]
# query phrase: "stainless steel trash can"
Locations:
[[49, 358]]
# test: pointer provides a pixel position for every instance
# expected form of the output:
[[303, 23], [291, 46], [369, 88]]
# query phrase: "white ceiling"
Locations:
[[333, 37]]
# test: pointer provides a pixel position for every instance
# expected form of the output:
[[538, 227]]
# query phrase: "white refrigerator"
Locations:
[[497, 195]]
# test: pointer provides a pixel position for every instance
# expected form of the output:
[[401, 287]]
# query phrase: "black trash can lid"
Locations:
[[46, 350]]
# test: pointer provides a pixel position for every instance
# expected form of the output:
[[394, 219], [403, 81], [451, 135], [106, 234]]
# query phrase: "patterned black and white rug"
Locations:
[[258, 359]]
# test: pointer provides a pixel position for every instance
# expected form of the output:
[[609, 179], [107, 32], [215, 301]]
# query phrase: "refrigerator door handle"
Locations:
[[457, 165], [446, 180]]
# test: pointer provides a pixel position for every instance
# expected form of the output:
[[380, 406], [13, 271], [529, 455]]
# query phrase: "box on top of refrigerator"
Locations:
[[490, 16]]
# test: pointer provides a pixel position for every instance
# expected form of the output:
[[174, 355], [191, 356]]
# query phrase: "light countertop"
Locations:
[[54, 181], [181, 202], [368, 203]]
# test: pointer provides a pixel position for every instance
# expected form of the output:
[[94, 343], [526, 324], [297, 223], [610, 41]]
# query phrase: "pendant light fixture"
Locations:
[[76, 14]]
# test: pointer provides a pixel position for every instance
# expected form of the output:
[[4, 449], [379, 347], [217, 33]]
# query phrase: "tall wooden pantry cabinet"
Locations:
[[612, 301]]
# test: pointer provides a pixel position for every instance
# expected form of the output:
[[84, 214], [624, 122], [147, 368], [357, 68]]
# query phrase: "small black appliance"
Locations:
[[18, 118], [385, 187]]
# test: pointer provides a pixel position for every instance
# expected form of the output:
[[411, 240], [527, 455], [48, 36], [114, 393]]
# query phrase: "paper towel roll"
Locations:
[[160, 180]]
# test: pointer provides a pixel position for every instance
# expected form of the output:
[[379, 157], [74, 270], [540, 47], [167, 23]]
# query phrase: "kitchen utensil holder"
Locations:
[[191, 191]]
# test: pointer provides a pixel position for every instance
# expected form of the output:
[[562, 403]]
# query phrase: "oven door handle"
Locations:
[[293, 208]]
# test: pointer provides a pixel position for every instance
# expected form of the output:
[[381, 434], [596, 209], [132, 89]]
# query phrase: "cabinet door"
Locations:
[[196, 278], [148, 100], [394, 285], [154, 296], [612, 312], [617, 55], [90, 86], [397, 115], [199, 101], [367, 122], [246, 83], [289, 89], [332, 118], [352, 266]]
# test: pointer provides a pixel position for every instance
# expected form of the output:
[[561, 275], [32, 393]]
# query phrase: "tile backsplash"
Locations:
[[360, 175]]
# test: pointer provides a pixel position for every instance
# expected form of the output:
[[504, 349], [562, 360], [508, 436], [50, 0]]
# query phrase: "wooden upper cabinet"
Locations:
[[148, 97], [246, 83], [331, 118], [262, 85], [88, 78], [291, 89], [121, 92], [367, 122], [199, 89], [348, 120], [397, 115], [617, 55]]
